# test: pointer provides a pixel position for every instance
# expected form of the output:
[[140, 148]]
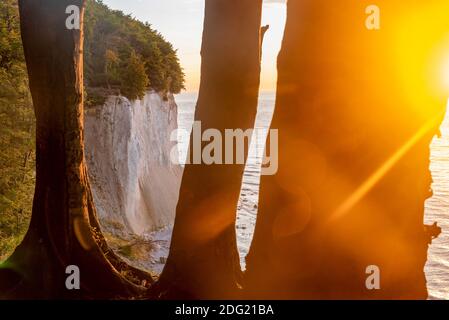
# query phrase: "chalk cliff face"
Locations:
[[134, 182]]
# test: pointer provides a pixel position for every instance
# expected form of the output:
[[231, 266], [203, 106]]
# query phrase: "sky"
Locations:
[[181, 23]]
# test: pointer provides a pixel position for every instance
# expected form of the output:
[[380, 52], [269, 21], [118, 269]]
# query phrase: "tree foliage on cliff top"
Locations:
[[111, 37]]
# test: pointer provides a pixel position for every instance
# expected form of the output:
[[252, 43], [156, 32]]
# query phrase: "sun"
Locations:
[[439, 68], [445, 73], [421, 48]]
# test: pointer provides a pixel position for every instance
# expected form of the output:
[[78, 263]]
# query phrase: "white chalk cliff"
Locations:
[[134, 182]]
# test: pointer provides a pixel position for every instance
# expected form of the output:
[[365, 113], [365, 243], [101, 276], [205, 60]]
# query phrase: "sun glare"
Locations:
[[422, 57], [445, 72]]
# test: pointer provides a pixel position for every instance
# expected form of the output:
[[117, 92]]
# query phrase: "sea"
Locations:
[[437, 208]]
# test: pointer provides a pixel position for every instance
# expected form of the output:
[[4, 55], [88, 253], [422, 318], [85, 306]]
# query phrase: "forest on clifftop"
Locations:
[[122, 52]]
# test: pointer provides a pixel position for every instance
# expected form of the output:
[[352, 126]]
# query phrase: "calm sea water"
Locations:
[[437, 208]]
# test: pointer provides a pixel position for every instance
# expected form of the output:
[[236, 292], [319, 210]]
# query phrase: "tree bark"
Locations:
[[203, 260], [64, 229], [343, 111]]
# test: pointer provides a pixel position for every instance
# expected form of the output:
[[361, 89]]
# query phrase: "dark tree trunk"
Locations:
[[64, 229], [204, 261], [344, 107]]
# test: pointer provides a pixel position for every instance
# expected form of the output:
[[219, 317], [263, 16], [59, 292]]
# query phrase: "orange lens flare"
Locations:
[[383, 170]]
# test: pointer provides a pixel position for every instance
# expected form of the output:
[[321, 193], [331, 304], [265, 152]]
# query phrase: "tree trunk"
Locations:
[[203, 260], [64, 229], [353, 176]]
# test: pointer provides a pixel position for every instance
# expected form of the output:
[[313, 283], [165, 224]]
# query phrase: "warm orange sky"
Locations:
[[181, 23]]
